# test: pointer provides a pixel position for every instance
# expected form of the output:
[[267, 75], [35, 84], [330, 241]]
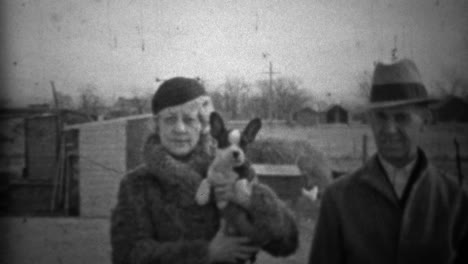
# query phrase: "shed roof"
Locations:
[[275, 170]]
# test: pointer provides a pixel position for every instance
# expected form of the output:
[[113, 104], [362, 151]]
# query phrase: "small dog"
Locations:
[[230, 161], [231, 164]]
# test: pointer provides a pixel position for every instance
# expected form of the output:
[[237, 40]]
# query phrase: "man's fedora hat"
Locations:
[[397, 84]]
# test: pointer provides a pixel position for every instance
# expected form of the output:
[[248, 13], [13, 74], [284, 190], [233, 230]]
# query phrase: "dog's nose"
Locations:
[[235, 154]]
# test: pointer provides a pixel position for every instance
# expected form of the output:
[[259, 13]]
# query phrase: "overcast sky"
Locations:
[[121, 46]]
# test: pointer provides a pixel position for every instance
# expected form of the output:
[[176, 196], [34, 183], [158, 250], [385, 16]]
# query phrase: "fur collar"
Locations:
[[185, 173]]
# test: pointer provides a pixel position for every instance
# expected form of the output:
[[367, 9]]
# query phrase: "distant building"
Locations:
[[357, 115], [358, 118], [451, 109], [30, 153], [308, 114], [306, 117], [336, 114], [128, 107]]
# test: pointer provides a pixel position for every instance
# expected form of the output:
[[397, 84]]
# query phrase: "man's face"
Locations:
[[397, 131], [179, 130]]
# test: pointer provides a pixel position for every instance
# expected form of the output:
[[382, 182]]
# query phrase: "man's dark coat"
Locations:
[[363, 221]]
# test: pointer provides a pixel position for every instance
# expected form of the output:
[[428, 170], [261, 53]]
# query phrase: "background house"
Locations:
[[308, 114], [451, 109], [336, 114]]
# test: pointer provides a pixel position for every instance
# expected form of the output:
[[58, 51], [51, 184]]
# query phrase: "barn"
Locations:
[[451, 109], [336, 114]]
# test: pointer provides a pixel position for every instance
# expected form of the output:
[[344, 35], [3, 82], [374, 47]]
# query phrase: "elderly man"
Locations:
[[397, 208]]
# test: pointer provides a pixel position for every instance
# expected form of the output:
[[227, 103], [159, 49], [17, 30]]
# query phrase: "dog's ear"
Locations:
[[216, 125], [250, 132]]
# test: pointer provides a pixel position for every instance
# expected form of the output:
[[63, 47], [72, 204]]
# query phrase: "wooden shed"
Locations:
[[336, 114], [108, 149], [307, 116], [451, 109], [33, 150]]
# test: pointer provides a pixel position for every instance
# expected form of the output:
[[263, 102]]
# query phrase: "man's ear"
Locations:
[[428, 117], [216, 125], [251, 130]]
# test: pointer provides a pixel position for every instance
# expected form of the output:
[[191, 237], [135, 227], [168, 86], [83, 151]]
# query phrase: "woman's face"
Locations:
[[179, 130]]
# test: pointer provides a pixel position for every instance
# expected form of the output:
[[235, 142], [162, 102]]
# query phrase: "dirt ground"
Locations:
[[85, 240]]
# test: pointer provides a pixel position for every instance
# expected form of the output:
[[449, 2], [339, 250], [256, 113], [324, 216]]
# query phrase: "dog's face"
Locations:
[[231, 144]]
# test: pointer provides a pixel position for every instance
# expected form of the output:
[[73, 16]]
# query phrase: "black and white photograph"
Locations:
[[233, 131]]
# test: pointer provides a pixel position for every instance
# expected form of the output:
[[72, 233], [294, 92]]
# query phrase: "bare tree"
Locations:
[[288, 96], [141, 101], [265, 100], [364, 84], [218, 100], [65, 101], [89, 101], [283, 98], [238, 100], [233, 97], [454, 82], [256, 106]]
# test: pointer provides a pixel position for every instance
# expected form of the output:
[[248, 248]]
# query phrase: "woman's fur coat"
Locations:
[[157, 220]]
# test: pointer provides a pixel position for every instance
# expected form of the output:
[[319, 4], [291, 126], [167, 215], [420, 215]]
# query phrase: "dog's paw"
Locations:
[[203, 193], [311, 194], [243, 187], [222, 204], [243, 190]]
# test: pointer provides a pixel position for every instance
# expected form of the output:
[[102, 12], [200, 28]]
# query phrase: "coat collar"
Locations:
[[374, 175], [183, 173]]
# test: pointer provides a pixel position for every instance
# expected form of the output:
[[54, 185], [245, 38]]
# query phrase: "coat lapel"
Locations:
[[419, 172], [376, 179]]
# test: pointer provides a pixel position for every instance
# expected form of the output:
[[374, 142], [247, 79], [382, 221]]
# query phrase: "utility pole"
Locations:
[[394, 50], [270, 95]]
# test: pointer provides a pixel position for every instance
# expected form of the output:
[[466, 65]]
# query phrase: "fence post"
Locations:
[[364, 148]]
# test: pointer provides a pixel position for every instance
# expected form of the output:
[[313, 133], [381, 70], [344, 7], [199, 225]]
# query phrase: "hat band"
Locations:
[[397, 92]]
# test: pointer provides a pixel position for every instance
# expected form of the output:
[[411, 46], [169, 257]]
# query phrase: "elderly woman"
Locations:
[[157, 220]]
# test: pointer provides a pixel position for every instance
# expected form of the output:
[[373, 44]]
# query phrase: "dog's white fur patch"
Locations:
[[311, 194], [234, 137]]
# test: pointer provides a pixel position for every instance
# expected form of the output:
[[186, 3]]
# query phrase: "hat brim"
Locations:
[[388, 104]]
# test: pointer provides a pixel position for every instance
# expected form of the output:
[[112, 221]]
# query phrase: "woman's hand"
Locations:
[[228, 191], [224, 248]]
